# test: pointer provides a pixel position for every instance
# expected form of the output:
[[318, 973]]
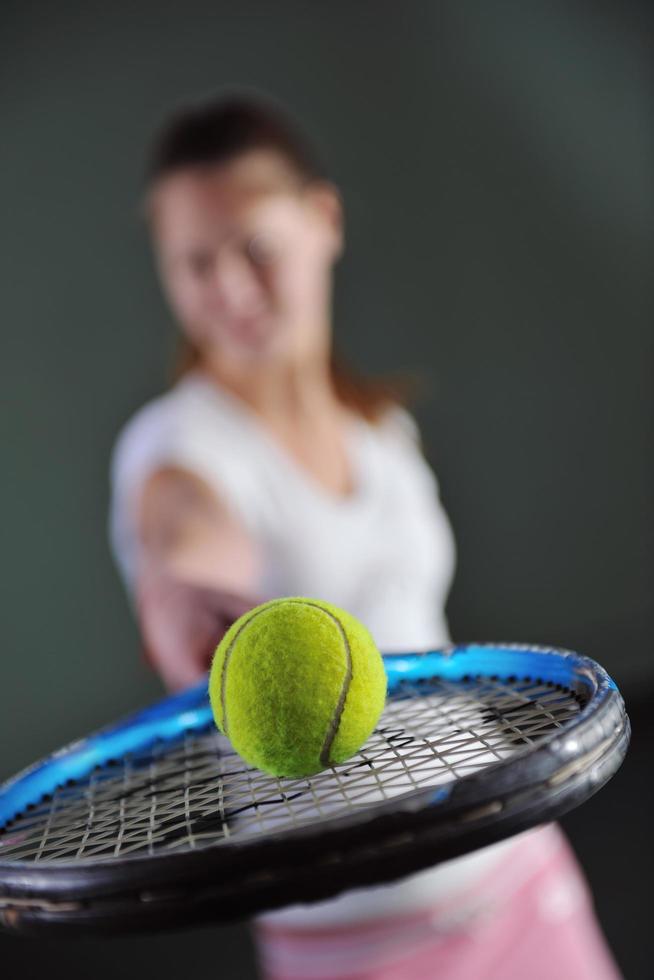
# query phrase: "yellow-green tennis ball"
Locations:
[[297, 685]]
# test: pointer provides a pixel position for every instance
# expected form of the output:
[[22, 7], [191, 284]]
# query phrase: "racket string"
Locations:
[[196, 792]]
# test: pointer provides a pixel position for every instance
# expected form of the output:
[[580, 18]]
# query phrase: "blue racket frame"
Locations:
[[313, 862], [171, 717]]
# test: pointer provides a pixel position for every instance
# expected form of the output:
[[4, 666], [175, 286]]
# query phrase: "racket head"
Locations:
[[154, 822]]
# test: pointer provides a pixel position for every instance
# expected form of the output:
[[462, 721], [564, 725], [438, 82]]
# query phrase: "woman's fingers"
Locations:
[[228, 605], [235, 606], [182, 624]]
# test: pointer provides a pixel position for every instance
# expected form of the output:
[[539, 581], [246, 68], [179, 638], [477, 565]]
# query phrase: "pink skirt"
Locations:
[[531, 919]]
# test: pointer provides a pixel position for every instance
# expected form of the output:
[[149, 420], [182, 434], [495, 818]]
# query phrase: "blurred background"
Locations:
[[496, 165]]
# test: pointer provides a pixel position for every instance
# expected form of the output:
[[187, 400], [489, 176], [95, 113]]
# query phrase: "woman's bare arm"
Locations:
[[197, 573]]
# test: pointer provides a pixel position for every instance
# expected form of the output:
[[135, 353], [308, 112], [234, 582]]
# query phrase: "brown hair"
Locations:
[[217, 131]]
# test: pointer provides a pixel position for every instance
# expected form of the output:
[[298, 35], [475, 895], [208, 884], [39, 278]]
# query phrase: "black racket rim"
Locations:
[[404, 835]]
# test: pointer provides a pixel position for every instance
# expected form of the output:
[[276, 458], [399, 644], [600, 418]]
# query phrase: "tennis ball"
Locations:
[[297, 685]]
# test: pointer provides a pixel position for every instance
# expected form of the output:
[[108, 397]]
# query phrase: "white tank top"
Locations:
[[385, 553]]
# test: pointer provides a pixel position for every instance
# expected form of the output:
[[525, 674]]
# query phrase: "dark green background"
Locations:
[[496, 166]]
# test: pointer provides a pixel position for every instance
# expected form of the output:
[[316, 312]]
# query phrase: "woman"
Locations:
[[267, 470]]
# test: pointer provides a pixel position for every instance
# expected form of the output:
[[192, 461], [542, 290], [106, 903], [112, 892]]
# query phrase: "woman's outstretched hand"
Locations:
[[181, 624]]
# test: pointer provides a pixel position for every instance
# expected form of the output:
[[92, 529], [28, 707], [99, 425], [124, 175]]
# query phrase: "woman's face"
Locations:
[[245, 258]]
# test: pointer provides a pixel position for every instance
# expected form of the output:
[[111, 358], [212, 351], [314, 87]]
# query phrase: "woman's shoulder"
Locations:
[[399, 424], [402, 442], [175, 419], [144, 424], [182, 407]]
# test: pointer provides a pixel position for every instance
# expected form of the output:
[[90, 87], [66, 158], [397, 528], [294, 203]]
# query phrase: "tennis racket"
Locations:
[[154, 822]]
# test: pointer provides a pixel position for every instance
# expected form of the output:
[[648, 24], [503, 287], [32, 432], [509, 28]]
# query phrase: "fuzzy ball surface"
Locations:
[[297, 685]]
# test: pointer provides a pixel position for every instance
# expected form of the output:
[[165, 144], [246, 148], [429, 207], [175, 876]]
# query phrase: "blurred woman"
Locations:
[[268, 469]]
